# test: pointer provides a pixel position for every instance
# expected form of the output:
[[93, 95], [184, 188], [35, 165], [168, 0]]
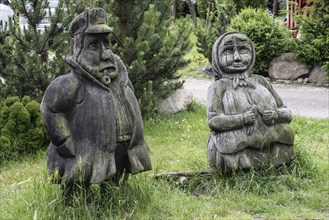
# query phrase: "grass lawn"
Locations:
[[178, 143]]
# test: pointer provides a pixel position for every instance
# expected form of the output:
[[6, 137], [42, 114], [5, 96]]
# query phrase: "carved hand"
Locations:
[[270, 117], [249, 117], [67, 149]]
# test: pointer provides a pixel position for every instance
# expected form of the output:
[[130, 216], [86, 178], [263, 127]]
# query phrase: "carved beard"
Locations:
[[105, 72]]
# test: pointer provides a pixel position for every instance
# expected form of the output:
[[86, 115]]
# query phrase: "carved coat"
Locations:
[[83, 113]]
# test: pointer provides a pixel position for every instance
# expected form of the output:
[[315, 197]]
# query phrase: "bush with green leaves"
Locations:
[[21, 128], [270, 39], [204, 5], [241, 4], [217, 18], [313, 46]]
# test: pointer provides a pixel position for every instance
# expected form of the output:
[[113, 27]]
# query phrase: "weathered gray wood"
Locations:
[[248, 120], [91, 114]]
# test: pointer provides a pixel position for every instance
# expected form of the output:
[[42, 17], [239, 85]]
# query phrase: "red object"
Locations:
[[294, 6]]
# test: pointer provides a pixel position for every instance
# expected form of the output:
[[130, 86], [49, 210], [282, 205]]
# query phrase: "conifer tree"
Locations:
[[26, 65], [218, 14], [151, 46]]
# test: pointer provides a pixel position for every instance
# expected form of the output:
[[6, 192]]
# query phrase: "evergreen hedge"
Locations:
[[21, 128], [313, 46], [270, 39]]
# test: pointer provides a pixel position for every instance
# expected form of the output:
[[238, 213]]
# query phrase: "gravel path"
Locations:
[[308, 101]]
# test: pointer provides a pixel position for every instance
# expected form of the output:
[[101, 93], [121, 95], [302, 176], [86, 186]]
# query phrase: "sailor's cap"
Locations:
[[93, 21]]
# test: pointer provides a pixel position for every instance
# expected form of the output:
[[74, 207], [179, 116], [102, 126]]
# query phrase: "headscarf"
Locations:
[[239, 79]]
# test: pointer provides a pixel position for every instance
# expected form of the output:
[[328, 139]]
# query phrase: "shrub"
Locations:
[[270, 39], [214, 25], [21, 128], [203, 6], [313, 46], [241, 4]]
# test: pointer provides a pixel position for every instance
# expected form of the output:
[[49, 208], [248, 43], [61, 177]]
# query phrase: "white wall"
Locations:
[[5, 14]]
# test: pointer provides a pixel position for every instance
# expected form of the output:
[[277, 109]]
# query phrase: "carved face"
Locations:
[[235, 54], [97, 58]]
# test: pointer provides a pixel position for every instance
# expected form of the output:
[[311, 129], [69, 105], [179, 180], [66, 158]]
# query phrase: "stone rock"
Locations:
[[178, 101], [286, 67], [300, 80], [318, 76], [305, 80]]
